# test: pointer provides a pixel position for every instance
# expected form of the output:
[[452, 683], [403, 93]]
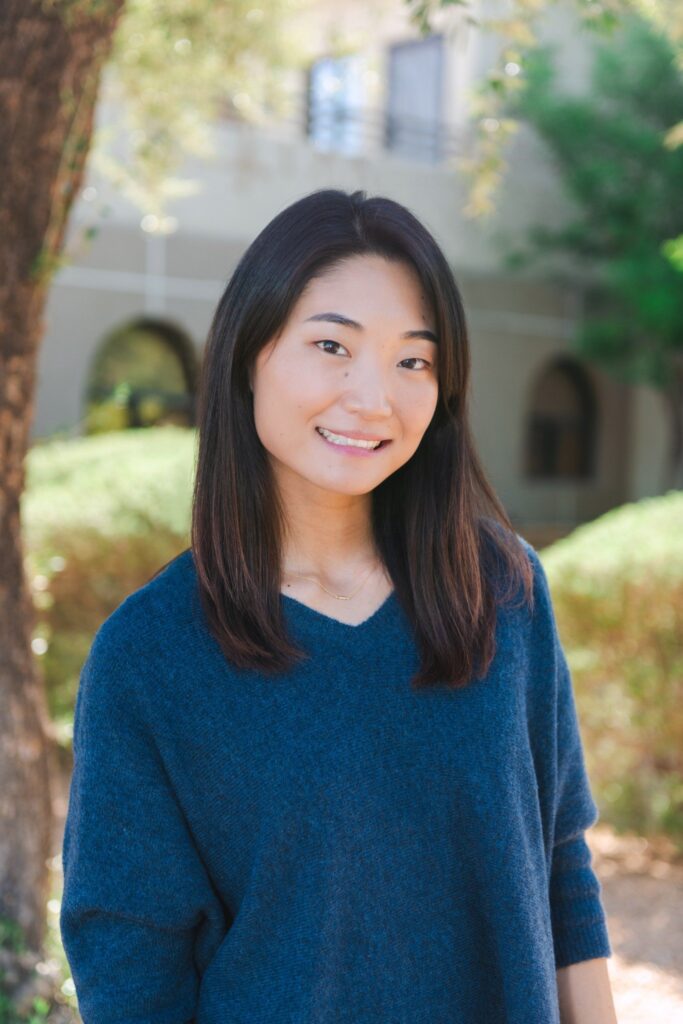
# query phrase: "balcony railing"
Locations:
[[333, 127]]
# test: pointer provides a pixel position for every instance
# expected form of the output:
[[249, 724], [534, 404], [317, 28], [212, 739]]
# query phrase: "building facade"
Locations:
[[381, 108]]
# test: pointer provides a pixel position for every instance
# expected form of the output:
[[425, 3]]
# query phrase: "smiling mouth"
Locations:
[[342, 441]]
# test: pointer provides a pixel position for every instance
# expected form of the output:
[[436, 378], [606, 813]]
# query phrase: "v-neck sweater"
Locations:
[[328, 845]]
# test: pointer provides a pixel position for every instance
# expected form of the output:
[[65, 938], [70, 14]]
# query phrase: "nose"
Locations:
[[367, 393]]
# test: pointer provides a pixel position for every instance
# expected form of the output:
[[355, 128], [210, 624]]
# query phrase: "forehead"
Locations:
[[366, 284]]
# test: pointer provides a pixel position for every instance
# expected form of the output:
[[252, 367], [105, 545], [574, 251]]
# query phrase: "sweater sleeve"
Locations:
[[139, 915], [577, 914], [578, 917]]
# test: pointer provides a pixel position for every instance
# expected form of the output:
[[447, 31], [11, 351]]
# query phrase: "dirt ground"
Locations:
[[642, 891]]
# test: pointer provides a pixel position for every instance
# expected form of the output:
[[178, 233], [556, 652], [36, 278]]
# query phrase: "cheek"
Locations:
[[290, 384], [418, 406], [284, 399]]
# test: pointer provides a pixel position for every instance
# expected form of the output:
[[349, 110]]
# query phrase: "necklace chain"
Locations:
[[339, 597]]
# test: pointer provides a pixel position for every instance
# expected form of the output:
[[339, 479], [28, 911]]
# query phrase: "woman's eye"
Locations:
[[328, 341], [419, 359]]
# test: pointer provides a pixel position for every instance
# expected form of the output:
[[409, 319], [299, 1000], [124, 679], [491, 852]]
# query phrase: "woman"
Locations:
[[327, 761]]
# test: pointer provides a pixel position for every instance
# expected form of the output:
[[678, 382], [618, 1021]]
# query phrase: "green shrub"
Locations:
[[121, 482], [617, 586], [100, 515]]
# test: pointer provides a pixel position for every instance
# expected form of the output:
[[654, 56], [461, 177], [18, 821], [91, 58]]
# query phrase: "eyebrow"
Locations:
[[345, 321]]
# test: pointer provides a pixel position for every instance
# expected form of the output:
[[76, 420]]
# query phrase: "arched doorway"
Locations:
[[143, 374], [561, 426]]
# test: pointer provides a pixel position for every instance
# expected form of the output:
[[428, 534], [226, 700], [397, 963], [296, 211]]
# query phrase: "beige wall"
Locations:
[[516, 330], [650, 444], [517, 323]]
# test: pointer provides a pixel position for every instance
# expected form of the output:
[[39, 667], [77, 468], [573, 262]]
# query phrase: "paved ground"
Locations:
[[642, 888]]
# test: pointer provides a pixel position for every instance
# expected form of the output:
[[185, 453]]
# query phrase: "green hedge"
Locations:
[[117, 483], [617, 586], [102, 513]]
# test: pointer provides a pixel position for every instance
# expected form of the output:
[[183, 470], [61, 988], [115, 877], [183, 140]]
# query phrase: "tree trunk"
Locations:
[[51, 56]]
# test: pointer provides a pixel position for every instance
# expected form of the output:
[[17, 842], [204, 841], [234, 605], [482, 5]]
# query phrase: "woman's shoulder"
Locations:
[[507, 556], [528, 614], [533, 622], [153, 615]]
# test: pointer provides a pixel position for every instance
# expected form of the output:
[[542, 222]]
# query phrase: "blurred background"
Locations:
[[144, 145]]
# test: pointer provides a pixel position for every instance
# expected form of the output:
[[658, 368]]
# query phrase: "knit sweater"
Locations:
[[328, 845]]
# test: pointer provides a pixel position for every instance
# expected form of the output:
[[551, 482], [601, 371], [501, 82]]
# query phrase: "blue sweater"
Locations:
[[326, 846]]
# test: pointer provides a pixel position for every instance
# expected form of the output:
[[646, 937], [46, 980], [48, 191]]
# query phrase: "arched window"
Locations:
[[143, 374], [560, 432]]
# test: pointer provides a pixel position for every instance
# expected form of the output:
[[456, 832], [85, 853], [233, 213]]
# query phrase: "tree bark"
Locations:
[[51, 57]]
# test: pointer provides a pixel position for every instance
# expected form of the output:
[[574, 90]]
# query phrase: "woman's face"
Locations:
[[363, 377]]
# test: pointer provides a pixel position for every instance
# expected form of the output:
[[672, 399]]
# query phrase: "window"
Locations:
[[336, 96], [415, 99], [561, 424]]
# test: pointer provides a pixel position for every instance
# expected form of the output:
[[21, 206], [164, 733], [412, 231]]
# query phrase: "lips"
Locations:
[[354, 435], [353, 449]]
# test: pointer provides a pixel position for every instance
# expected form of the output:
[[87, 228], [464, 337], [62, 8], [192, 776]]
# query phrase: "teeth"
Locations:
[[353, 442]]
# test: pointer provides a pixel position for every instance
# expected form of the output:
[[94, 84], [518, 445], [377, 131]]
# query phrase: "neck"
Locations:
[[337, 576], [329, 537]]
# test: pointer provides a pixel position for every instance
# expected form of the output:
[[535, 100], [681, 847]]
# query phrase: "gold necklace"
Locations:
[[339, 597]]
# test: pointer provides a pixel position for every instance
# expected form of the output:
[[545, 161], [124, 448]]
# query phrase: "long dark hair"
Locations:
[[439, 528]]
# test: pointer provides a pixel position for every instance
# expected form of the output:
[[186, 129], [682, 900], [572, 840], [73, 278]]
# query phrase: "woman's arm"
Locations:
[[578, 920], [585, 993], [139, 916]]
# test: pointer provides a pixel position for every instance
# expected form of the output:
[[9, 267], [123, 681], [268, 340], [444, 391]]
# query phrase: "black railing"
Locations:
[[359, 127], [362, 131]]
